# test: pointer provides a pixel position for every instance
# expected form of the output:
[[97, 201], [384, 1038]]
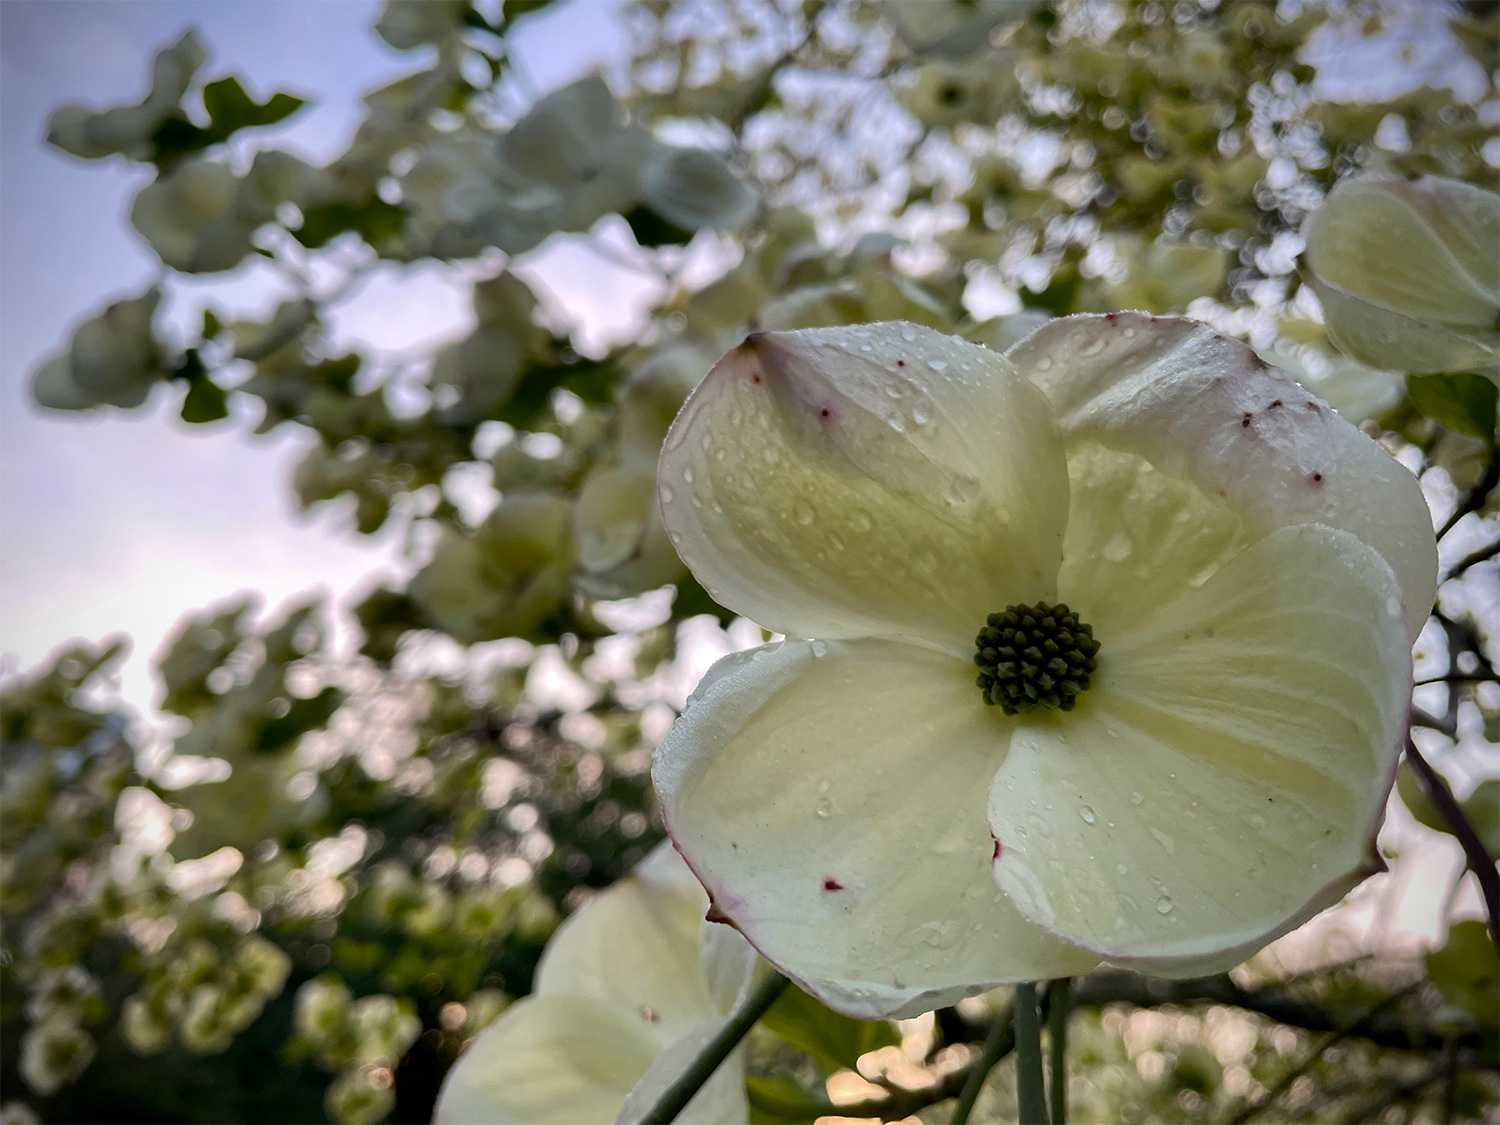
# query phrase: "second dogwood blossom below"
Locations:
[[1187, 588]]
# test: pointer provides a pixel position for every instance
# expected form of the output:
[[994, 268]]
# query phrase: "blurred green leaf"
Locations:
[[1415, 798], [1467, 971], [515, 9], [205, 401], [1465, 402], [303, 715], [374, 220], [781, 1100], [230, 108], [835, 1040], [1483, 810], [212, 325]]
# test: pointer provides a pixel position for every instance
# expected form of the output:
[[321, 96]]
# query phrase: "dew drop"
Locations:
[[825, 807], [804, 515], [1257, 821], [823, 783], [1164, 905], [1165, 841], [939, 935], [938, 364], [1093, 348], [1118, 548], [1044, 363], [861, 521], [1121, 869], [1392, 607], [908, 335], [687, 475], [921, 412], [866, 348], [667, 495], [720, 455], [1087, 814], [1136, 798], [820, 649]]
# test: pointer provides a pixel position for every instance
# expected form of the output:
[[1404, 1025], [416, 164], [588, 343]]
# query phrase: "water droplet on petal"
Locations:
[[1393, 607], [908, 335], [938, 364], [1121, 869], [667, 495], [823, 782], [825, 807], [1087, 814], [820, 649], [1164, 905], [1044, 363], [1165, 841], [1136, 798]]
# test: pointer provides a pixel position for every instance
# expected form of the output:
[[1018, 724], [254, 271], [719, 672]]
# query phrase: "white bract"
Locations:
[[627, 993], [129, 129], [1253, 566], [113, 359], [1408, 272]]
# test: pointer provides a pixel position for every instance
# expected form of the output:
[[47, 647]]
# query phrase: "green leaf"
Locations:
[[1415, 798], [692, 600], [304, 715], [833, 1039], [374, 220], [212, 325], [783, 1101], [230, 108], [1058, 298], [1467, 971], [651, 230], [1482, 808], [1465, 403], [515, 9], [205, 401]]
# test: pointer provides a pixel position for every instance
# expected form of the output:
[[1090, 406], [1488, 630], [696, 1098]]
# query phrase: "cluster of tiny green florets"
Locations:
[[1034, 656]]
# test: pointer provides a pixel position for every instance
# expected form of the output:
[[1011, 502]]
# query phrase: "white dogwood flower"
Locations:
[[1408, 272], [1190, 588], [625, 997]]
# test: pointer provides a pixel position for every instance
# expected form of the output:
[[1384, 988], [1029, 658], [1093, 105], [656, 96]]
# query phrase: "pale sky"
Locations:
[[119, 521]]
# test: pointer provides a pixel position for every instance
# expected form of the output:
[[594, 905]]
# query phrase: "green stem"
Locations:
[[1031, 1100], [1059, 995], [676, 1097], [1000, 1041]]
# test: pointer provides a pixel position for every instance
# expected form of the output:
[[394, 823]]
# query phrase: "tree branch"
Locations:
[[1480, 861]]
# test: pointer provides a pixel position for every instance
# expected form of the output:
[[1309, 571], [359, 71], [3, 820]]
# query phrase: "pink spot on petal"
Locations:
[[825, 412], [1316, 479], [996, 854], [832, 884], [1245, 421], [1275, 404]]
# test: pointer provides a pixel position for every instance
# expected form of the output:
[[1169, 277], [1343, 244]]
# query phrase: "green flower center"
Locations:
[[1033, 656]]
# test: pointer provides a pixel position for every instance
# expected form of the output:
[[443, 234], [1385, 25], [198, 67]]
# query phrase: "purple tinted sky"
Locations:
[[122, 521]]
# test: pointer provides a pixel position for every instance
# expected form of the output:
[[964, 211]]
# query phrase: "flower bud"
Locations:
[[1408, 271]]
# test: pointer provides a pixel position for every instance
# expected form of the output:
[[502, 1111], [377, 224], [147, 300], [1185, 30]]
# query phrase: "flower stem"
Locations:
[[676, 1096], [1000, 1041], [1059, 994], [1031, 1099]]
